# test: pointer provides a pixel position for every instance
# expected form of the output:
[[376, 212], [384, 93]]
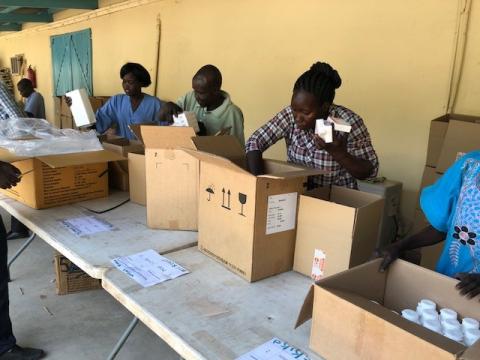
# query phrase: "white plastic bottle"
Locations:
[[446, 314], [455, 335], [429, 315], [433, 325], [469, 323], [425, 304], [471, 336], [451, 325], [411, 315]]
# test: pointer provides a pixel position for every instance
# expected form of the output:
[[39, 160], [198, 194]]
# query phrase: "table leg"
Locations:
[[24, 246], [124, 338]]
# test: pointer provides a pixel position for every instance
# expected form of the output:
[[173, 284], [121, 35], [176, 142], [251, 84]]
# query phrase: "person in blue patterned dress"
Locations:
[[452, 207]]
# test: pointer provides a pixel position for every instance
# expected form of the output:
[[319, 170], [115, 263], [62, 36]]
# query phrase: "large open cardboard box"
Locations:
[[172, 175], [347, 324], [339, 223], [54, 180], [450, 136], [118, 173], [247, 222]]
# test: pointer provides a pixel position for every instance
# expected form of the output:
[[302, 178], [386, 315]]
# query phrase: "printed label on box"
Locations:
[[318, 265], [274, 349], [281, 212]]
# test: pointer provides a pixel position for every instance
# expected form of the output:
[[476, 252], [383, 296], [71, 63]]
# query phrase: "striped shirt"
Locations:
[[301, 148]]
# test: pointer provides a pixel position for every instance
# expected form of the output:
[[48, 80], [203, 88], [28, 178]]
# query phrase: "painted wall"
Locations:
[[395, 59], [468, 96]]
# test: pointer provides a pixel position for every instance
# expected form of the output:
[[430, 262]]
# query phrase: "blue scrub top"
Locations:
[[452, 205], [118, 111]]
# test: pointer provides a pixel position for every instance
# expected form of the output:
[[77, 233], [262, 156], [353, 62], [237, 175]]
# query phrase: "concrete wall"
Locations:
[[395, 59]]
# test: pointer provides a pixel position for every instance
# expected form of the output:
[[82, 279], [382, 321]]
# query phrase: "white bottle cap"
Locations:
[[429, 315], [469, 323], [456, 335], [411, 315], [433, 325], [471, 336], [451, 325], [448, 314], [426, 304]]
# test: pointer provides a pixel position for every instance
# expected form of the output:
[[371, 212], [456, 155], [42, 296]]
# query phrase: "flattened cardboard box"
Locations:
[[55, 180], [118, 171], [429, 177], [70, 278], [247, 222], [172, 174], [337, 229], [347, 324]]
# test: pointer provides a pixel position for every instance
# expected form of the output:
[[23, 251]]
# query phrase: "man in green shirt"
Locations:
[[211, 105]]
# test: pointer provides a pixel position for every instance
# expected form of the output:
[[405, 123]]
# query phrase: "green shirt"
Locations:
[[226, 115]]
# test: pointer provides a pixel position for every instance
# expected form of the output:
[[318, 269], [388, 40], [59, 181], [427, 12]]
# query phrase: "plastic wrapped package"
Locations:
[[37, 137]]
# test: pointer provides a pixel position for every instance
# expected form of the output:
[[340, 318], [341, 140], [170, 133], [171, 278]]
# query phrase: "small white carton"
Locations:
[[81, 108]]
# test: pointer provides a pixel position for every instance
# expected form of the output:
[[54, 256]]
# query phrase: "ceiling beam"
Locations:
[[9, 9], [11, 27], [52, 4], [23, 18]]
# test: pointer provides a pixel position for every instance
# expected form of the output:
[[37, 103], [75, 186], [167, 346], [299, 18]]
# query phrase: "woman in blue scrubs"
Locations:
[[133, 107]]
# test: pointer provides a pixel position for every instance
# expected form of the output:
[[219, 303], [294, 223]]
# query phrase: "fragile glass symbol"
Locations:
[[243, 199]]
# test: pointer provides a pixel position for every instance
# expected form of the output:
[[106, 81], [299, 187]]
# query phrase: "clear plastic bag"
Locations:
[[37, 137]]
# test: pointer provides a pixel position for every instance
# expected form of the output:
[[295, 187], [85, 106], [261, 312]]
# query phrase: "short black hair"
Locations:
[[137, 70], [211, 73], [25, 83], [321, 81]]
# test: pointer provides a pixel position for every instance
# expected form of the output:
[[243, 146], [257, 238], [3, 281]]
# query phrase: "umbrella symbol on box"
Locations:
[[210, 192]]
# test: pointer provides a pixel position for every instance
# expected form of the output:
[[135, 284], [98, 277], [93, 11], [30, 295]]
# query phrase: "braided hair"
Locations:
[[321, 81]]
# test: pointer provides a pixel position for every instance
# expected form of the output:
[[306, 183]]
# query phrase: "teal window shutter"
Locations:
[[72, 61]]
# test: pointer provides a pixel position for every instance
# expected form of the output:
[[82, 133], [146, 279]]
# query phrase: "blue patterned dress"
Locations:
[[452, 205]]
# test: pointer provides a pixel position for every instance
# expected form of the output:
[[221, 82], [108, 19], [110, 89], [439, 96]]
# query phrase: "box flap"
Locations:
[[294, 174], [217, 160], [9, 157], [82, 158], [135, 129], [167, 137], [307, 307], [353, 198], [225, 145]]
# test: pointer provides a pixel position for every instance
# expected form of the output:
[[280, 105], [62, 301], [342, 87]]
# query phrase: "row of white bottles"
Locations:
[[446, 322]]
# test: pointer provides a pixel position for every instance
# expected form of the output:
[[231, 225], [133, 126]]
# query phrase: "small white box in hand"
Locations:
[[81, 108], [188, 119], [324, 130], [340, 124]]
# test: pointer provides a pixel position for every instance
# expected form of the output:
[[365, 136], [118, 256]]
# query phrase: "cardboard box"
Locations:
[[438, 129], [54, 180], [450, 135], [247, 222], [430, 254], [346, 324], [71, 279], [172, 174], [341, 225], [118, 173], [137, 180]]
